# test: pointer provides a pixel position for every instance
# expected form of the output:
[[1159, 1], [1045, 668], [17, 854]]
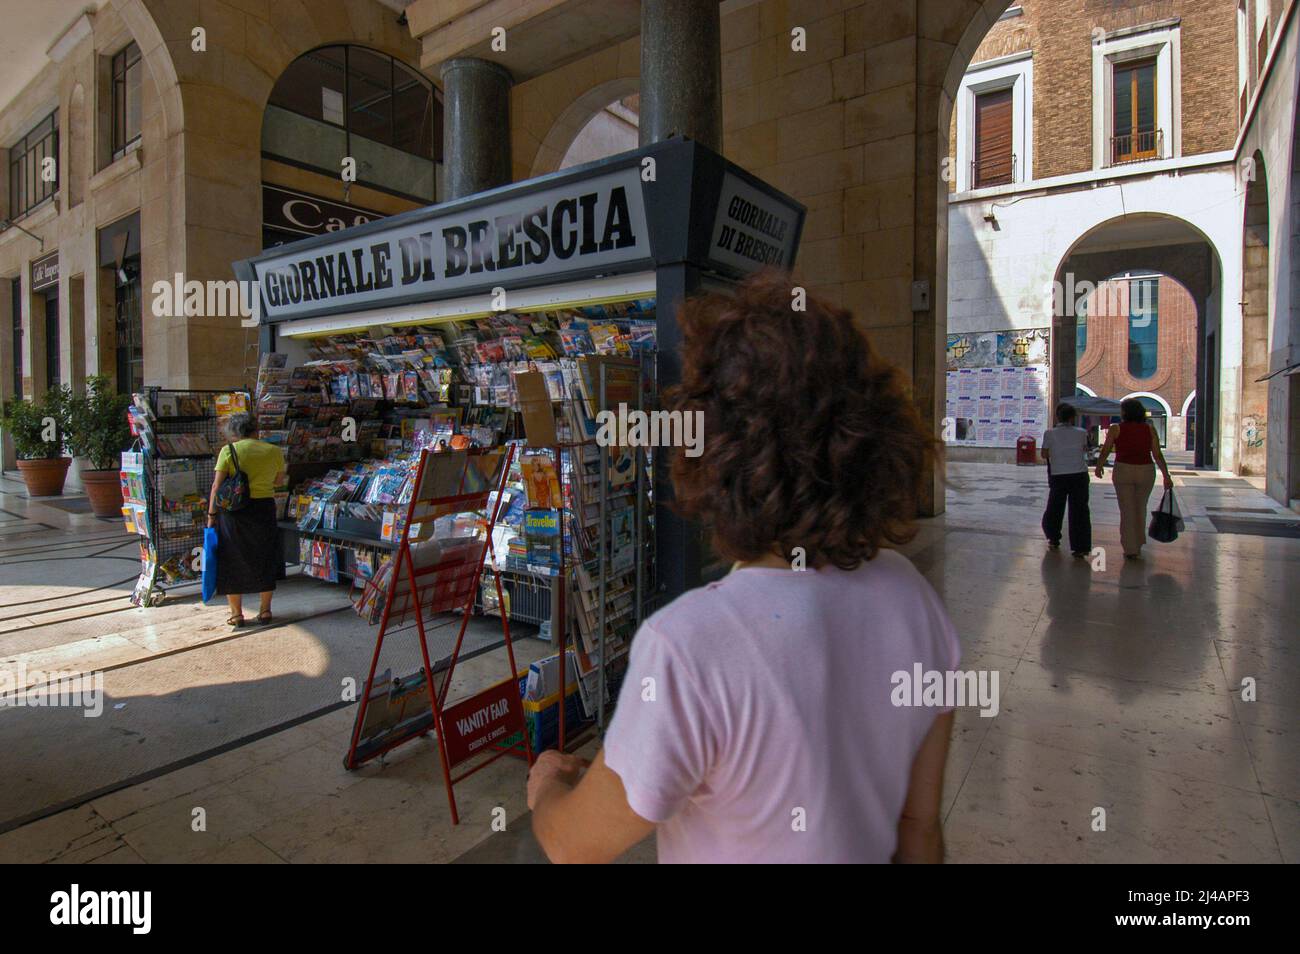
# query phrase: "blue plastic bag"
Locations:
[[209, 563]]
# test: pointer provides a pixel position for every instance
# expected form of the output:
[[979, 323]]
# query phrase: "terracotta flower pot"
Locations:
[[45, 477], [104, 488]]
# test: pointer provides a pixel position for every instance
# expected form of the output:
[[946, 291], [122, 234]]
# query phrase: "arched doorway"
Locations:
[[1136, 310]]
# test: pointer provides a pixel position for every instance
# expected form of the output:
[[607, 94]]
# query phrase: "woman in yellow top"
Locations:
[[249, 559]]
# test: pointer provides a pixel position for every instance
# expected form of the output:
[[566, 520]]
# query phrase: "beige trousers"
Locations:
[[1133, 483]]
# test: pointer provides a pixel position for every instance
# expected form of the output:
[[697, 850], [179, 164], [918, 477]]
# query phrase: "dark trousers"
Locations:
[[1071, 489]]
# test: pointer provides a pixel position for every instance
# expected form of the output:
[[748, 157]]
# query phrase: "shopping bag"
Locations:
[[209, 563], [232, 492], [1166, 522]]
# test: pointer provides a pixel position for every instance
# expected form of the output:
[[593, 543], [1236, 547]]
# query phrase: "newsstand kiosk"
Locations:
[[661, 222], [620, 242]]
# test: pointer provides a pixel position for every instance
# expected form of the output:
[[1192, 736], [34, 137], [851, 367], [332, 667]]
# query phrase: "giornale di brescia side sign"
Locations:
[[588, 224]]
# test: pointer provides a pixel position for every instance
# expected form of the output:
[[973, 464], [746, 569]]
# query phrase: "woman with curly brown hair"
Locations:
[[758, 721]]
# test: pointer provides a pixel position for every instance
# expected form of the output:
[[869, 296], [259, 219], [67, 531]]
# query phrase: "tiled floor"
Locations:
[[1121, 697]]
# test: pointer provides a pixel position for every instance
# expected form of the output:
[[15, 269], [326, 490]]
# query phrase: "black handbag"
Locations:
[[232, 492], [1166, 522]]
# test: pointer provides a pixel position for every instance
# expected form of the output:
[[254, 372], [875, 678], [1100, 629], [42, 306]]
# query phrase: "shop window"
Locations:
[[995, 160], [31, 179], [1081, 329], [1143, 327], [1134, 134], [347, 101], [126, 72]]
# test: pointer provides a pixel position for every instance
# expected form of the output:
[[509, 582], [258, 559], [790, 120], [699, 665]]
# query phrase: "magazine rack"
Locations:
[[602, 569], [178, 435], [432, 574]]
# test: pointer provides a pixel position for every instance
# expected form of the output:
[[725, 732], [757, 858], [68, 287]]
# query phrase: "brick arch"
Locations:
[[1094, 269]]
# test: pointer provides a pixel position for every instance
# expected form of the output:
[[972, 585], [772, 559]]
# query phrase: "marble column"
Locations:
[[681, 71], [476, 126]]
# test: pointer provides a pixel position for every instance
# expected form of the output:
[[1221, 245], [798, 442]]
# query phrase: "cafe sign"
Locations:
[[305, 214], [45, 272], [584, 225]]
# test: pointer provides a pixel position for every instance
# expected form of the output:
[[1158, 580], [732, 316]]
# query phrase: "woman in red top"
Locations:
[[1137, 449]]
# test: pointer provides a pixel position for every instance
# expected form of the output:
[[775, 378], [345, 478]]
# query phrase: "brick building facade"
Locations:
[[1104, 361], [1083, 198]]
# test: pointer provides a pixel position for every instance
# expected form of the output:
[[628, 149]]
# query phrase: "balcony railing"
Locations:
[[992, 173], [1137, 147]]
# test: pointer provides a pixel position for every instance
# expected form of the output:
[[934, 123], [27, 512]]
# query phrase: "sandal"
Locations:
[[264, 619], [236, 621]]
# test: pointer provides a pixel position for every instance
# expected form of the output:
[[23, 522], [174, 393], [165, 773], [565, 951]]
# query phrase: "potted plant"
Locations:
[[38, 429], [98, 431]]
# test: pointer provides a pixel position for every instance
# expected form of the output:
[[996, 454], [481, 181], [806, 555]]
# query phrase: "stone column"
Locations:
[[681, 71], [475, 126]]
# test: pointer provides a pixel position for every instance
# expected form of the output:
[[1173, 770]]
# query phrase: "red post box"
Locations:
[[1026, 451]]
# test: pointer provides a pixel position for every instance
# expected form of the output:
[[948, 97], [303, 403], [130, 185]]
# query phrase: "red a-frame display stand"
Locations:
[[490, 721]]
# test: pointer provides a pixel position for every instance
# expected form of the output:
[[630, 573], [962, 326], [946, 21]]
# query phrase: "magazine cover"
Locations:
[[541, 483]]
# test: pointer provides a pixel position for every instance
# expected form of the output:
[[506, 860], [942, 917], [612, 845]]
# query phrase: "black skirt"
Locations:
[[249, 556]]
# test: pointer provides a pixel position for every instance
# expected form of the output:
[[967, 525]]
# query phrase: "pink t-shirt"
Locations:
[[769, 711]]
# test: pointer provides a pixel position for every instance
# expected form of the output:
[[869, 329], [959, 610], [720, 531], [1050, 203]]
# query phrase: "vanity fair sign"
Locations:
[[580, 226]]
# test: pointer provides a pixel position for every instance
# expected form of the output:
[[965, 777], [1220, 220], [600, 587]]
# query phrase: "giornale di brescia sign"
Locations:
[[591, 223]]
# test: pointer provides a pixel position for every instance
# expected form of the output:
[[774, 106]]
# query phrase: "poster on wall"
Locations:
[[1018, 347], [1022, 347], [975, 350], [994, 407]]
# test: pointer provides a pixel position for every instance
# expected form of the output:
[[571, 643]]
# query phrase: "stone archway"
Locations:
[[946, 45], [575, 117], [548, 111], [1142, 242], [207, 171]]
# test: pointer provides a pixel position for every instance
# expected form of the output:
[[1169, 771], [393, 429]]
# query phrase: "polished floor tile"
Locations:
[[1159, 695]]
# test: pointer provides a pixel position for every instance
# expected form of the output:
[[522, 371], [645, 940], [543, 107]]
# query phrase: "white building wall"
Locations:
[[1270, 130], [1000, 274]]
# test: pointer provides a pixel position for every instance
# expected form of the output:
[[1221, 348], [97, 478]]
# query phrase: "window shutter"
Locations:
[[994, 163]]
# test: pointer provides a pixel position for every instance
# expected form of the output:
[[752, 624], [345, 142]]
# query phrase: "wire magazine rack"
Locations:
[[445, 540]]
